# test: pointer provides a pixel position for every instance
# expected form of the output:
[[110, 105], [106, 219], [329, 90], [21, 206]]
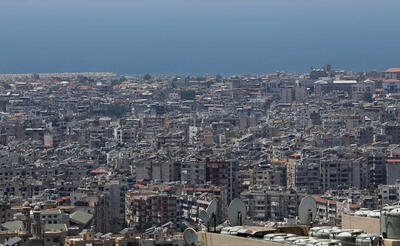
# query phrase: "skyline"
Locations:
[[193, 37]]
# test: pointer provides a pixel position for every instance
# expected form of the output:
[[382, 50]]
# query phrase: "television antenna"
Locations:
[[307, 210], [236, 212], [190, 237]]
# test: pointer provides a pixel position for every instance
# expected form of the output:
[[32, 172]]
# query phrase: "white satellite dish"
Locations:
[[212, 208], [212, 213], [236, 212], [190, 236], [204, 216], [307, 210]]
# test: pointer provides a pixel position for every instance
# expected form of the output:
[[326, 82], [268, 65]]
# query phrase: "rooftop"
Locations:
[[12, 225], [81, 217], [50, 212], [56, 227], [393, 70]]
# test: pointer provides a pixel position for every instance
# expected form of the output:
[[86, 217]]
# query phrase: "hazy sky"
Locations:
[[197, 36]]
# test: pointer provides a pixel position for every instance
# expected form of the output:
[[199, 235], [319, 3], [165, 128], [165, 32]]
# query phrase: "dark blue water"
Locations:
[[197, 36]]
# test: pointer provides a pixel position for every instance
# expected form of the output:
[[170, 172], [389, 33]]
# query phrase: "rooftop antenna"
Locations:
[[190, 237], [236, 212], [212, 214], [307, 210]]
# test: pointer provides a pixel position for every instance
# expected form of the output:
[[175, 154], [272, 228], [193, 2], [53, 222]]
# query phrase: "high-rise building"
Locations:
[[144, 209], [223, 173]]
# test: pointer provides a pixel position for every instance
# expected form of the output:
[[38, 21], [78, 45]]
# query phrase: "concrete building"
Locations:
[[146, 209], [392, 132], [392, 73], [301, 176]]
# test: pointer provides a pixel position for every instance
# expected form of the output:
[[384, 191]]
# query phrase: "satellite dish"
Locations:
[[307, 210], [204, 216], [212, 208], [236, 212], [190, 236], [212, 213]]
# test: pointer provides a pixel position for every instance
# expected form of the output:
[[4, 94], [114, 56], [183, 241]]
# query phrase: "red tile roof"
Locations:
[[84, 87], [121, 100], [64, 198], [200, 189], [352, 205], [165, 188], [319, 199], [98, 171], [391, 81], [393, 70]]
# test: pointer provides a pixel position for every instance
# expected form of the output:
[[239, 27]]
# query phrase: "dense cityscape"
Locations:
[[104, 159]]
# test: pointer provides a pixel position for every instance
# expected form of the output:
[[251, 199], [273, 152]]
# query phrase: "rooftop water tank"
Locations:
[[234, 230], [290, 240], [373, 214], [361, 213], [301, 242], [271, 236], [225, 230], [312, 242], [393, 223], [334, 232], [347, 238], [313, 230], [356, 232], [383, 220], [334, 242], [365, 239], [279, 239], [324, 233], [316, 231]]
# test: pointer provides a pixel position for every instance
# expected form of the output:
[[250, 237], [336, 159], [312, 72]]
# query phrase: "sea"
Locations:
[[136, 37]]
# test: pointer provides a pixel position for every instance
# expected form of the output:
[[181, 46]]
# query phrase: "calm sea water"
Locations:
[[197, 36]]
